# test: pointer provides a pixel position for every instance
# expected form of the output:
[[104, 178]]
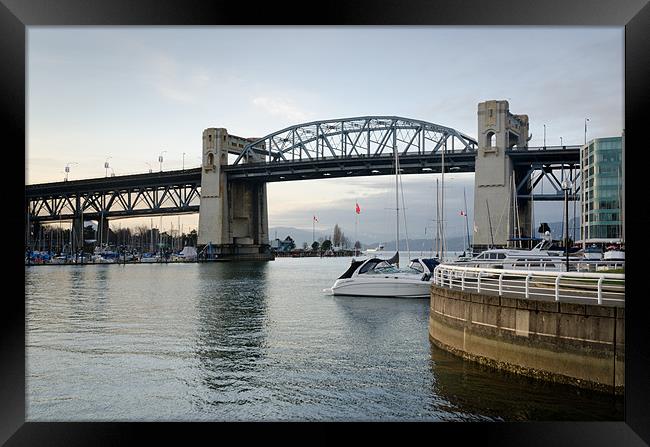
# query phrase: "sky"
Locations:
[[126, 94]]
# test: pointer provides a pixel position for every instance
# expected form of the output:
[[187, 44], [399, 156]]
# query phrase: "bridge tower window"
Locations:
[[491, 139], [209, 138], [210, 159]]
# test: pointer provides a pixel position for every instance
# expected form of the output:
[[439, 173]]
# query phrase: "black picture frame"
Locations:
[[16, 15]]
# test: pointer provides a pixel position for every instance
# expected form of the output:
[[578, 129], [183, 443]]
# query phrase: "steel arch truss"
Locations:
[[123, 202], [362, 137]]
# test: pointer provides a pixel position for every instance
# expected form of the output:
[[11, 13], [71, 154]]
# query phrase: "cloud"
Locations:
[[281, 107]]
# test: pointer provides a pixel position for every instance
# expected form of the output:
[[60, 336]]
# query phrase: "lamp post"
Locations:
[[561, 144], [149, 164], [586, 119], [544, 136], [67, 169], [183, 161], [106, 166], [160, 159], [566, 186]]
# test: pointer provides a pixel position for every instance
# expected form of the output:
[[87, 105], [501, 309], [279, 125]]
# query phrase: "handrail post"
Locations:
[[450, 279], [501, 284], [527, 281], [462, 280], [600, 290], [557, 286], [478, 282]]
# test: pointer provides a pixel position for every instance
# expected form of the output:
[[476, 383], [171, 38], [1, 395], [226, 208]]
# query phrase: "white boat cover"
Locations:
[[188, 252]]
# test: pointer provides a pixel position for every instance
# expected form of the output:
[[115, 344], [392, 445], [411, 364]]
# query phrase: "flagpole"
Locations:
[[356, 222]]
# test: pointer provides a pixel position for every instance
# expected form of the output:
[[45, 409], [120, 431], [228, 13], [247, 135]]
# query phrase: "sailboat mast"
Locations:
[[396, 201], [442, 204], [466, 221], [437, 220]]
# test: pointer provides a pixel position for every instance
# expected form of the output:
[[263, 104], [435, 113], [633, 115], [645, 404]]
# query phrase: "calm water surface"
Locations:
[[255, 341]]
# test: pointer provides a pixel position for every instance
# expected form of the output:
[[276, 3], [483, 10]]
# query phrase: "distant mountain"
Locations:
[[422, 245], [456, 243]]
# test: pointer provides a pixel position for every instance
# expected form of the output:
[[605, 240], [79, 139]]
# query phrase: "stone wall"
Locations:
[[578, 344]]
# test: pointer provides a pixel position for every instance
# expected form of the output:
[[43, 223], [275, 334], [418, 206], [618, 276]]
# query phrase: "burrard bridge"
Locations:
[[229, 193]]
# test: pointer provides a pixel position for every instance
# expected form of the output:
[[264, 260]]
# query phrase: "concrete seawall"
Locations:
[[578, 344]]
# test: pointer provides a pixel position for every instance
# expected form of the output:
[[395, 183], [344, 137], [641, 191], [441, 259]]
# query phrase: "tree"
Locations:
[[345, 242], [357, 245], [192, 238], [305, 245], [336, 237], [315, 246], [326, 245]]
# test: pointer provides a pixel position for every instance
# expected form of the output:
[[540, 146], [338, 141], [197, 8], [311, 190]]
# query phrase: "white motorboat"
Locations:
[[540, 257], [593, 253], [614, 253], [378, 277], [149, 258], [381, 278], [374, 251]]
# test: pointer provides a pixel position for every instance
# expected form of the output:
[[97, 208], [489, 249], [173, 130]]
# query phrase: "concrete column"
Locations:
[[103, 231], [77, 232], [498, 131], [233, 215], [213, 211]]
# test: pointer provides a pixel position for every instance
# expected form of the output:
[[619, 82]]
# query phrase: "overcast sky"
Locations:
[[129, 93]]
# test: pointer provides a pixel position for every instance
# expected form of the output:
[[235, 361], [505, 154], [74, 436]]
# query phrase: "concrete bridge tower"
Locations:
[[495, 219], [233, 215]]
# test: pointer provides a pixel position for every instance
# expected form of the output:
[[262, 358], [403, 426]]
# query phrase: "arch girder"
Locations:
[[354, 137]]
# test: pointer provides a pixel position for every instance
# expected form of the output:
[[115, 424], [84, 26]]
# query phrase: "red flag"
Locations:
[[462, 213], [358, 210]]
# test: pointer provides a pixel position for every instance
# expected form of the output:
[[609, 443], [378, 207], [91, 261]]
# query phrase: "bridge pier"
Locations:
[[233, 215], [78, 232], [495, 179]]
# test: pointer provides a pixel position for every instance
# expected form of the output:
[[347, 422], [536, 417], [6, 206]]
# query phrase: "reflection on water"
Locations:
[[230, 342], [473, 388], [255, 341]]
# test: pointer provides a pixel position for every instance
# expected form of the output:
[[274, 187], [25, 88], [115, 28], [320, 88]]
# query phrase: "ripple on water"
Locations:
[[255, 341]]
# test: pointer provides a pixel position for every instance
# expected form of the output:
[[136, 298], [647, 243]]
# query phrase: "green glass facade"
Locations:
[[601, 162]]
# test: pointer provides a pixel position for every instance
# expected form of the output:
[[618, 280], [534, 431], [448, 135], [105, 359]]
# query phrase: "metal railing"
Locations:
[[575, 287], [547, 264]]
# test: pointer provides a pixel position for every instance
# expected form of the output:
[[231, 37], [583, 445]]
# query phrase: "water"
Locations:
[[256, 341]]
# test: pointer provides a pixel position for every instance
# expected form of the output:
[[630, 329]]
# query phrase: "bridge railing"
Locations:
[[575, 287]]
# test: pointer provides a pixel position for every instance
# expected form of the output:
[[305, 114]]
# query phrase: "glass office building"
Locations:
[[601, 191]]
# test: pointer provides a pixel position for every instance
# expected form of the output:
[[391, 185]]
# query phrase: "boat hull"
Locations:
[[382, 287]]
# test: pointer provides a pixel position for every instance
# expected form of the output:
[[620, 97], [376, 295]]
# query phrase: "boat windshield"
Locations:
[[378, 266], [384, 267]]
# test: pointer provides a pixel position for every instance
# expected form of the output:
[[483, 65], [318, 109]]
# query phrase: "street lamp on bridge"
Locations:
[[67, 169], [566, 186], [160, 159], [149, 164], [106, 165]]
